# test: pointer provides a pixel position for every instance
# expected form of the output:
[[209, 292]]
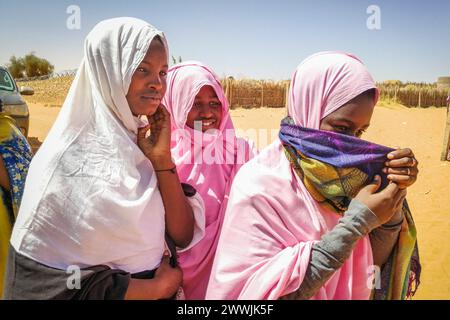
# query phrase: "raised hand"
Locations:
[[156, 146], [402, 167], [383, 204]]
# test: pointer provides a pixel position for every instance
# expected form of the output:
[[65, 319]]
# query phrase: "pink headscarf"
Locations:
[[272, 221], [211, 180]]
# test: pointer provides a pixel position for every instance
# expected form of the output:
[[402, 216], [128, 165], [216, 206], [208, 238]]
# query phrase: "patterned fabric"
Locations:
[[334, 167], [16, 155], [400, 276]]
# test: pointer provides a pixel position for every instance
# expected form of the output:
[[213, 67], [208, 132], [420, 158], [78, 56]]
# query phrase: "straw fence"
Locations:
[[254, 93], [249, 93]]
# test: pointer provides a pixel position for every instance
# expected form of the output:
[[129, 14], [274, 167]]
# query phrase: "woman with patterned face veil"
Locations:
[[314, 215], [101, 193]]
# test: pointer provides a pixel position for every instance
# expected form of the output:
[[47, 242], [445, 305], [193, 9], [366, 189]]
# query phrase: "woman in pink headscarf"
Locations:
[[297, 223], [207, 154]]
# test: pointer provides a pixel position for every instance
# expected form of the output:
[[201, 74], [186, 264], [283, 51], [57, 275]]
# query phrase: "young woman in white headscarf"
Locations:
[[102, 193]]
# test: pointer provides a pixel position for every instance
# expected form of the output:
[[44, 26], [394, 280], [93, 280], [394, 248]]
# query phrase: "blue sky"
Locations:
[[248, 38]]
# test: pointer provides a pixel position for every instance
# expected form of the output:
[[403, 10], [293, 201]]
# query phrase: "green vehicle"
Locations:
[[13, 103]]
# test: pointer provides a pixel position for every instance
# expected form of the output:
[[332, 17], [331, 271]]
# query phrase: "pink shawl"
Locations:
[[271, 220], [211, 180]]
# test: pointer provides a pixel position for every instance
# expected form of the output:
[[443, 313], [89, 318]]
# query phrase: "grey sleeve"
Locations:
[[27, 279], [330, 253], [383, 240]]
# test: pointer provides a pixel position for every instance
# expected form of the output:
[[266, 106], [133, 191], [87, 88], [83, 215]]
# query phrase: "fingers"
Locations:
[[391, 189], [142, 132], [160, 119], [154, 118], [151, 120], [166, 258], [400, 153], [374, 185], [402, 158], [402, 162], [163, 110], [412, 172], [160, 113], [402, 180], [402, 168]]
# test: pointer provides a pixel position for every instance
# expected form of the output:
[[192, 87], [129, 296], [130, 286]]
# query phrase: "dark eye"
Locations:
[[360, 132], [341, 129], [163, 73], [215, 104], [141, 69]]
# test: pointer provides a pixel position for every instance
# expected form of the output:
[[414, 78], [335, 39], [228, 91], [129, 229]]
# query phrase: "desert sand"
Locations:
[[422, 130]]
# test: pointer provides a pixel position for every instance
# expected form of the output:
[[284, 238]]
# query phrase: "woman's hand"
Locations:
[[156, 147], [169, 278], [164, 285], [383, 204], [402, 167]]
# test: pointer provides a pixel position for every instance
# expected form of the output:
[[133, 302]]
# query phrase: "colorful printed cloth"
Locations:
[[16, 155], [334, 167]]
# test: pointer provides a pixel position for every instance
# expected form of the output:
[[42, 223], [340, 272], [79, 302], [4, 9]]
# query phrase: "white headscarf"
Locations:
[[91, 196]]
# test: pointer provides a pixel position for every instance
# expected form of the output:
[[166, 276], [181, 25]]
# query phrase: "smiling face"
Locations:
[[207, 109], [353, 118], [148, 84]]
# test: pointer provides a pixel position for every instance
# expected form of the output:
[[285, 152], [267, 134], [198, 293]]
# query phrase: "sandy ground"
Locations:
[[41, 120], [422, 130]]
